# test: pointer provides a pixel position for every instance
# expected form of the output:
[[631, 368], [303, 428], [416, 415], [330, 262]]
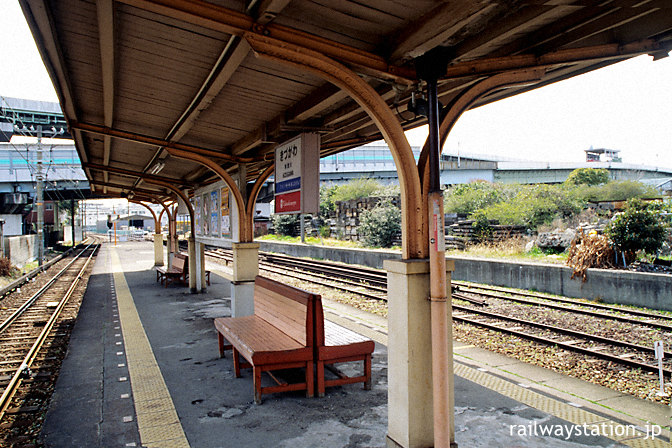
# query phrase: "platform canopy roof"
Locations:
[[136, 78]]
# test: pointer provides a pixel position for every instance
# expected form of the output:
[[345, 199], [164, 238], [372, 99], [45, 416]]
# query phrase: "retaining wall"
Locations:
[[610, 286], [21, 249]]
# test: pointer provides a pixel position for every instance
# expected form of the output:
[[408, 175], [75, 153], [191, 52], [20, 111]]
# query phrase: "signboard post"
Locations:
[[659, 351], [297, 175]]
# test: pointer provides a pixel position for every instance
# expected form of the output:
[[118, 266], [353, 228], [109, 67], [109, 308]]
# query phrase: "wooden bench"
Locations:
[[280, 335], [178, 272], [336, 344]]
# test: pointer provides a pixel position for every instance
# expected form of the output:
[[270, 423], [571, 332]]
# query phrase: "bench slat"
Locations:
[[286, 314]]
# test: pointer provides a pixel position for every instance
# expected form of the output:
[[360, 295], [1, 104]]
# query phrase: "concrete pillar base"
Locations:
[[158, 249], [242, 299], [410, 398], [201, 257], [410, 412], [192, 265]]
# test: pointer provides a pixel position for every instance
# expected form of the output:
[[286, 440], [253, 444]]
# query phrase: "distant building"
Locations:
[[610, 155]]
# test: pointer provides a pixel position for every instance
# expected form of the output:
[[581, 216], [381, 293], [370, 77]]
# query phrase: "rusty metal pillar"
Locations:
[[430, 67]]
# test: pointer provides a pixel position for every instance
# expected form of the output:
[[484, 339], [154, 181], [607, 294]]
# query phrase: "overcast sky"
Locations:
[[627, 107]]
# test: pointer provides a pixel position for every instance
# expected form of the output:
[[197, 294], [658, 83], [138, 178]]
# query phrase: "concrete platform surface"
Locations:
[[143, 370]]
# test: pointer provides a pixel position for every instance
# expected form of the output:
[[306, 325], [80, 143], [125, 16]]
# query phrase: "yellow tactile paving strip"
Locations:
[[156, 416], [564, 411], [572, 414]]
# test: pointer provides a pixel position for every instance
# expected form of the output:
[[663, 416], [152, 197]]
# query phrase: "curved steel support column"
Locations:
[[157, 225], [158, 236], [463, 102], [254, 194], [413, 245], [245, 232]]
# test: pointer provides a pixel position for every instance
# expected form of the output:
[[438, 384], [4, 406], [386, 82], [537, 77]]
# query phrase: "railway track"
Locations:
[[371, 283], [34, 329]]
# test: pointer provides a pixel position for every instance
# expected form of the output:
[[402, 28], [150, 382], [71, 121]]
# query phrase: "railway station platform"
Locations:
[[143, 369]]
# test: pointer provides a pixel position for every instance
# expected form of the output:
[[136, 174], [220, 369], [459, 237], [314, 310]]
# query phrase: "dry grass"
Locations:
[[589, 251], [511, 249]]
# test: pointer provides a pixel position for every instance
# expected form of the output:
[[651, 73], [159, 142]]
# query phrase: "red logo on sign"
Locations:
[[288, 202]]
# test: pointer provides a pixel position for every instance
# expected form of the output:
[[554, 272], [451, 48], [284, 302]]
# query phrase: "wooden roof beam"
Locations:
[[228, 62], [105, 12], [592, 10], [435, 27], [130, 173], [573, 55], [153, 141], [266, 10], [526, 17], [615, 19], [125, 187], [229, 21], [317, 101], [252, 140]]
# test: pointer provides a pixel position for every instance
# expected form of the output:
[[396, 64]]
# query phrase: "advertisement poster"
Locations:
[[214, 213], [224, 211], [206, 214], [197, 214]]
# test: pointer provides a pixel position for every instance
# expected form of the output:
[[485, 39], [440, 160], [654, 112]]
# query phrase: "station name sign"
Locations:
[[297, 175]]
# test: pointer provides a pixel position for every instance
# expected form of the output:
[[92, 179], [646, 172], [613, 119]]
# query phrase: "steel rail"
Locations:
[[39, 293], [576, 310], [564, 345], [563, 300], [353, 273], [273, 269], [16, 380], [566, 331], [317, 273]]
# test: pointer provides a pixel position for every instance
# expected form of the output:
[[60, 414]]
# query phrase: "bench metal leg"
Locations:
[[320, 379], [236, 362], [367, 372], [222, 346], [257, 385], [310, 385]]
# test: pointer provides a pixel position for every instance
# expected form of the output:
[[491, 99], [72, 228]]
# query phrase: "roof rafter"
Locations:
[[229, 21]]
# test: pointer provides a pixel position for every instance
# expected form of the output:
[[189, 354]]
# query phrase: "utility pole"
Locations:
[[72, 220], [40, 200]]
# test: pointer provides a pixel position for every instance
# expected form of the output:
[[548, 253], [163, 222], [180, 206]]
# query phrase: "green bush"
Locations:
[[619, 190], [639, 227], [534, 205], [482, 228], [355, 189], [285, 224], [588, 176], [379, 226], [467, 198], [327, 204]]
